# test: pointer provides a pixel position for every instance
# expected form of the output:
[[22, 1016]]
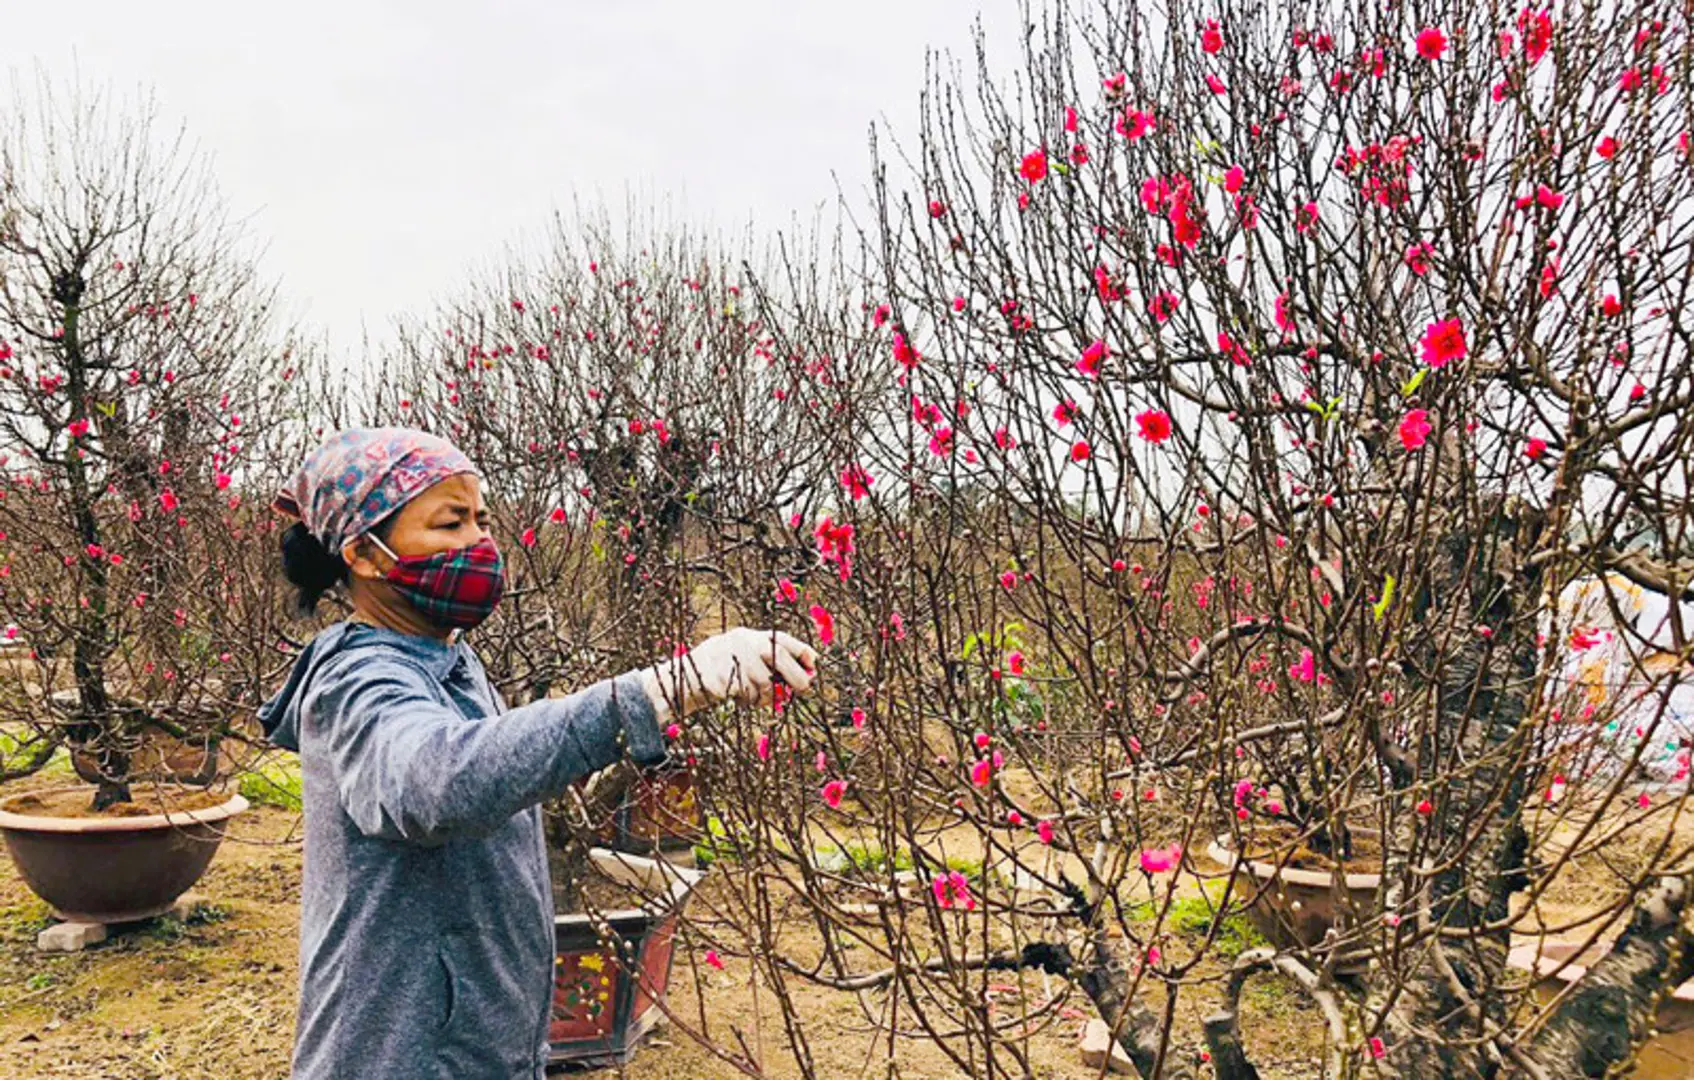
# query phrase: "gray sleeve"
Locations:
[[409, 767]]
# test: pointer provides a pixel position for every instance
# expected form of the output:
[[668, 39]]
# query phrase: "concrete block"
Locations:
[[70, 936], [1099, 1048]]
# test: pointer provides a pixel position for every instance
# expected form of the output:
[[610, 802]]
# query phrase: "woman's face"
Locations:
[[445, 517]]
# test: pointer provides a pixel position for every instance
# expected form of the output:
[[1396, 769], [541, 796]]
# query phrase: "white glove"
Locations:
[[741, 664]]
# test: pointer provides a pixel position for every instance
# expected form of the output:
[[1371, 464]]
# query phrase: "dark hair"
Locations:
[[313, 568], [306, 563]]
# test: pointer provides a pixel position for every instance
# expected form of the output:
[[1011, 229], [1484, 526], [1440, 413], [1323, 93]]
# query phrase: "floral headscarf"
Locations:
[[360, 476]]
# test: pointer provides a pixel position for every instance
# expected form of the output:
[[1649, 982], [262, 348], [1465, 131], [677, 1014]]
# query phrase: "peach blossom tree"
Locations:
[[145, 389]]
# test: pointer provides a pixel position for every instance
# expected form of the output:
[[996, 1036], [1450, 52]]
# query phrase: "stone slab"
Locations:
[[1099, 1048], [70, 936]]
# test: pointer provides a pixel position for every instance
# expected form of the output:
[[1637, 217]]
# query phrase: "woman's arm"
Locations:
[[411, 768]]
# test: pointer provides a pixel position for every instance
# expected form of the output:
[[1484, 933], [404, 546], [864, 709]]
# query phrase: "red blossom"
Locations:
[[1211, 39], [1154, 424], [857, 481], [1431, 43], [824, 623], [1414, 428], [1034, 166], [1092, 357], [1443, 342], [904, 352]]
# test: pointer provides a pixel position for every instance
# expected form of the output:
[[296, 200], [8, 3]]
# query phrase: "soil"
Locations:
[[1366, 857], [214, 999], [145, 800]]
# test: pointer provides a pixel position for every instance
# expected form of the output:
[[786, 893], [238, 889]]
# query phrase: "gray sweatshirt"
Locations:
[[426, 914]]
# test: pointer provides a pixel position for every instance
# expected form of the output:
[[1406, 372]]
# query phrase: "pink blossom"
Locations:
[[1534, 448], [786, 591], [1008, 580], [1234, 178], [1044, 830], [1537, 34], [1431, 43], [1033, 168], [953, 890], [857, 481], [713, 959], [858, 716], [1211, 39], [1216, 85], [1444, 341], [824, 623], [168, 501], [1304, 669], [1080, 451], [528, 538], [1089, 362], [763, 746], [904, 352], [1417, 257], [1163, 305], [1154, 425], [1414, 428], [1135, 124], [833, 792], [1159, 860], [1014, 662], [77, 428]]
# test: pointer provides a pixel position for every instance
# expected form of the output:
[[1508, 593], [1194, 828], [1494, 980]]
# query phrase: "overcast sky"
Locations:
[[383, 149]]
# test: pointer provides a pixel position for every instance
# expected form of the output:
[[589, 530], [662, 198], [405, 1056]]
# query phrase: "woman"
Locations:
[[426, 922]]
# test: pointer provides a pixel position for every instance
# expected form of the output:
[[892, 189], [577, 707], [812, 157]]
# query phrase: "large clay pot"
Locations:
[[115, 869], [605, 986], [1295, 908]]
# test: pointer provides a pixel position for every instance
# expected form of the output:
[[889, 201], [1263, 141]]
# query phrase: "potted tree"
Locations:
[[141, 379]]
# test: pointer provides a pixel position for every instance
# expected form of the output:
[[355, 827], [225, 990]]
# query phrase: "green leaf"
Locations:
[[1381, 606], [1414, 382]]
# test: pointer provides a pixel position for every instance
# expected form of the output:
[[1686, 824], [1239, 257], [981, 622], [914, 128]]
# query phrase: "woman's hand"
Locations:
[[742, 664]]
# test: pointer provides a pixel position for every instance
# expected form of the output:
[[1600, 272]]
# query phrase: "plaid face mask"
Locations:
[[457, 588]]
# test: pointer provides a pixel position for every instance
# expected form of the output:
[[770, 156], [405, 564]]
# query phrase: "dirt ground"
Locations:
[[215, 998]]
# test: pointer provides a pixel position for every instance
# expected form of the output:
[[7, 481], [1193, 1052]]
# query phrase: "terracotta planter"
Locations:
[[605, 988], [1295, 908], [115, 869], [1668, 1055]]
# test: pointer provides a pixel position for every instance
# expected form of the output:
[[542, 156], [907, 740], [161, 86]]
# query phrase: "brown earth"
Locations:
[[145, 799], [215, 998]]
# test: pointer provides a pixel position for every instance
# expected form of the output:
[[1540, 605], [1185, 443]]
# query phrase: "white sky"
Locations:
[[382, 150]]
